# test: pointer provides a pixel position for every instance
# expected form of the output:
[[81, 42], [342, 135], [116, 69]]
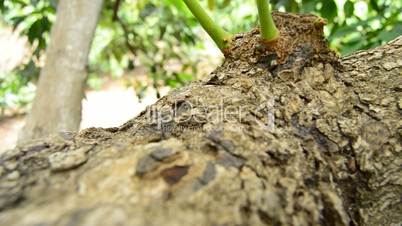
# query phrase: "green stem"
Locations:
[[220, 36], [269, 31]]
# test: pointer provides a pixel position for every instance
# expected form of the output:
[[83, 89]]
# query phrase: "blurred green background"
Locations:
[[165, 41]]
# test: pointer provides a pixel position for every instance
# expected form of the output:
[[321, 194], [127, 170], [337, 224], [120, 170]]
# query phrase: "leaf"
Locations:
[[16, 21], [185, 77], [211, 4], [179, 4], [53, 4], [225, 4], [352, 46], [21, 2], [147, 10], [34, 2], [34, 31], [171, 83], [388, 35], [309, 5], [28, 72], [38, 28], [329, 10], [293, 7], [373, 4], [343, 31], [349, 8]]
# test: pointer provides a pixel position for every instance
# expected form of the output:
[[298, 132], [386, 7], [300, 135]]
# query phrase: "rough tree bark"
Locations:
[[57, 106], [317, 142]]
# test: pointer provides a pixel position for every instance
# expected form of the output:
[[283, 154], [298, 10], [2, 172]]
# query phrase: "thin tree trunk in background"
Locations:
[[57, 106]]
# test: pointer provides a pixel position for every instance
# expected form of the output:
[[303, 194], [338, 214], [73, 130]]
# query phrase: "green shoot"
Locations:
[[220, 36], [269, 32]]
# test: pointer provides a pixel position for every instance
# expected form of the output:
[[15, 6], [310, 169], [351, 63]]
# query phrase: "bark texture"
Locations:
[[57, 106], [317, 142]]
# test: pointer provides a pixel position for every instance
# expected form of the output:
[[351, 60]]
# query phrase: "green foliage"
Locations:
[[15, 91], [33, 18], [150, 33], [365, 24]]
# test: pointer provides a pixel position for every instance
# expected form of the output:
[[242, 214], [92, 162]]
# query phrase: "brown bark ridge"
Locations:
[[302, 138], [57, 105]]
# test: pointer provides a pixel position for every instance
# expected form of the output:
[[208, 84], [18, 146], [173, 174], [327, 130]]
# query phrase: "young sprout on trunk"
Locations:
[[269, 32], [220, 36]]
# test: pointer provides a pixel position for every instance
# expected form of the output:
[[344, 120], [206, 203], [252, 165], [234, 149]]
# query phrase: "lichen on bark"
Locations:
[[309, 139]]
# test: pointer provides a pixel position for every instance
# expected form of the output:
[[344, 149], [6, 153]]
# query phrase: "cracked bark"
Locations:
[[317, 142]]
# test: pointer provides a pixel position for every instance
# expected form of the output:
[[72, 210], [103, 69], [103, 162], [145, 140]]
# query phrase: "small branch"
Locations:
[[126, 32], [269, 32], [220, 36], [116, 9]]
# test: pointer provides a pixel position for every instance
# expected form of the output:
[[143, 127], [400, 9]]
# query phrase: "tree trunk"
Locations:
[[57, 106], [289, 135]]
